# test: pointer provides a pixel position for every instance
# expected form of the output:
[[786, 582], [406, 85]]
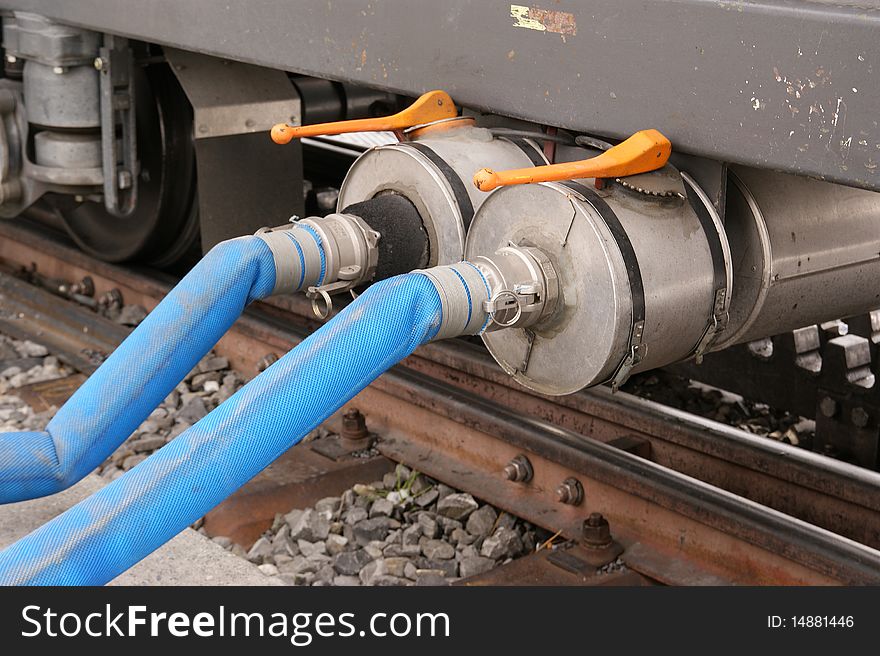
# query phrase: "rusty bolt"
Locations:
[[828, 406], [85, 287], [267, 361], [519, 470], [354, 425], [570, 492], [112, 298], [596, 531], [859, 417]]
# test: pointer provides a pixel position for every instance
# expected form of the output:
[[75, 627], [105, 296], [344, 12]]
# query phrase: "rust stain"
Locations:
[[543, 20]]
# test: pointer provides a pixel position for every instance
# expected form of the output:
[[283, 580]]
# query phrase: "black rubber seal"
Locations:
[[465, 206], [403, 244]]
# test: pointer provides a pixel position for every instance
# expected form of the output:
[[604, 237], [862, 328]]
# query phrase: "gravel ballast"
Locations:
[[379, 534]]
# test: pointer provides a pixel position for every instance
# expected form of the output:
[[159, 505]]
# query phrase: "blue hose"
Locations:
[[139, 374], [107, 533]]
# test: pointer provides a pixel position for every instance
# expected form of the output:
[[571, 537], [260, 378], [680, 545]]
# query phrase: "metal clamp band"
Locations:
[[721, 266], [637, 347], [465, 206], [463, 292]]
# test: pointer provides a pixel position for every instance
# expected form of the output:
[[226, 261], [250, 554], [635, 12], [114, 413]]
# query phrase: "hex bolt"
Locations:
[[11, 59], [85, 287], [570, 492], [859, 417], [519, 470], [100, 63], [267, 361], [596, 531], [354, 425], [58, 70], [828, 406], [112, 298]]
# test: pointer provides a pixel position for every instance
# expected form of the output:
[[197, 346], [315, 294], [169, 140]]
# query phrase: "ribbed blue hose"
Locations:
[[139, 374], [107, 533]]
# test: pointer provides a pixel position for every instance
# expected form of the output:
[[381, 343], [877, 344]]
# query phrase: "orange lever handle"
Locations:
[[647, 150], [429, 107]]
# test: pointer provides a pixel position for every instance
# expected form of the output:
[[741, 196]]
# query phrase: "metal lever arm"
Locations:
[[647, 150], [431, 106]]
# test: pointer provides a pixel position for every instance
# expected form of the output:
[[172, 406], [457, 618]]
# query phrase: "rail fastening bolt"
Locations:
[[596, 531], [570, 492], [354, 425], [266, 361], [519, 470], [828, 406], [859, 417]]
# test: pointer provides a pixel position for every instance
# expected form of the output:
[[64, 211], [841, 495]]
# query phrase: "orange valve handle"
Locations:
[[431, 106], [647, 150]]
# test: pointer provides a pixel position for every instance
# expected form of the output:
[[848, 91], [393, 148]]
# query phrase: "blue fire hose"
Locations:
[[107, 533], [148, 365]]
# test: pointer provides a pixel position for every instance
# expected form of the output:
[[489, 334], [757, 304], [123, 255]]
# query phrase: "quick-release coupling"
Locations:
[[323, 256], [515, 288]]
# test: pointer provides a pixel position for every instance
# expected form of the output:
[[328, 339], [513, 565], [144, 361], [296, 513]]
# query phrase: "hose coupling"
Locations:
[[324, 256], [524, 287], [351, 255]]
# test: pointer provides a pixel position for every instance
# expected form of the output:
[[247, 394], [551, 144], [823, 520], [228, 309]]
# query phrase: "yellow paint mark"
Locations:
[[521, 18], [543, 20]]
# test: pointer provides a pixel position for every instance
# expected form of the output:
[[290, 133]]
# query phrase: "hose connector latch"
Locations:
[[351, 254], [524, 287]]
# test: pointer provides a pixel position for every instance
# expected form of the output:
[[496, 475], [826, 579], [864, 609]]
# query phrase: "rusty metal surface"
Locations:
[[49, 393], [297, 479], [538, 569], [465, 439], [76, 335], [466, 442]]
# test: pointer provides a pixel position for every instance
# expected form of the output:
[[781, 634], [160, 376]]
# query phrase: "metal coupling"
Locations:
[[351, 254], [323, 256], [514, 288], [524, 287]]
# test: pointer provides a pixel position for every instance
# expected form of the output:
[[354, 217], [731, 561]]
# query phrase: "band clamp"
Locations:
[[637, 348]]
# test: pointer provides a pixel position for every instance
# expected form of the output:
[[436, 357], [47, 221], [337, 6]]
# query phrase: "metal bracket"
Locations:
[[717, 324], [115, 64], [637, 351]]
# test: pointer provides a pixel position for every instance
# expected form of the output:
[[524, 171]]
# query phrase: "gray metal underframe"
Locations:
[[788, 85]]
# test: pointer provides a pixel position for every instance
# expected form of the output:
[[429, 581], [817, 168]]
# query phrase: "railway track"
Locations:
[[690, 500]]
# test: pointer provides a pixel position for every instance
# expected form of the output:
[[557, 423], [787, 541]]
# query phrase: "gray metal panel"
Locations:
[[789, 85]]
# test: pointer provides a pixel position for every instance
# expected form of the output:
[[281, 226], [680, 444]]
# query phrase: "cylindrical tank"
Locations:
[[804, 252], [638, 278], [649, 276], [434, 171]]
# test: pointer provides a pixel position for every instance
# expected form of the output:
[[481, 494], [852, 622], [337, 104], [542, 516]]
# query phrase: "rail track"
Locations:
[[689, 500]]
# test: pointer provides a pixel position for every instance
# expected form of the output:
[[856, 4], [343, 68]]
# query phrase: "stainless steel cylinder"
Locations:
[[62, 97], [434, 172], [804, 252], [638, 278]]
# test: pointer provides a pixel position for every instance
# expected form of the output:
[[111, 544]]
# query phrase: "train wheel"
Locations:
[[164, 226]]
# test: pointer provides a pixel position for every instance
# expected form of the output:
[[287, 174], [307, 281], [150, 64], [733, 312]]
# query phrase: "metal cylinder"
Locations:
[[62, 97], [434, 172], [804, 252], [67, 150], [638, 278]]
